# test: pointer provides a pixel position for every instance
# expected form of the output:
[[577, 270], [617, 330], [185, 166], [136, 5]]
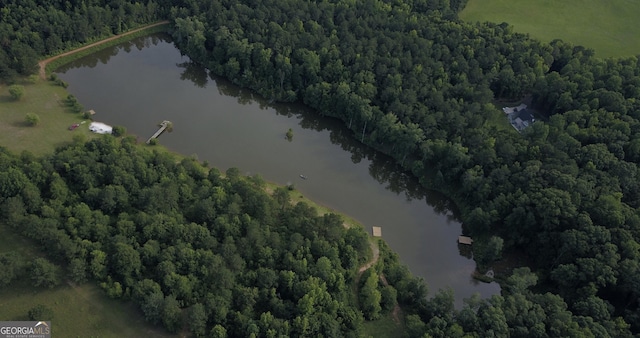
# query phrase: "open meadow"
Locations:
[[78, 310], [44, 99], [610, 27]]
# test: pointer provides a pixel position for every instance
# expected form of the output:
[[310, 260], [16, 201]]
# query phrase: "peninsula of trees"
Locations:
[[413, 81]]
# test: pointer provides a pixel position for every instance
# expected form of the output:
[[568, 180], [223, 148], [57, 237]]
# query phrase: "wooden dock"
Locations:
[[163, 126], [465, 240], [377, 232]]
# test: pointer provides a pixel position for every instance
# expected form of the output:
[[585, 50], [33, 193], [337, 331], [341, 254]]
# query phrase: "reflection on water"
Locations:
[[230, 126]]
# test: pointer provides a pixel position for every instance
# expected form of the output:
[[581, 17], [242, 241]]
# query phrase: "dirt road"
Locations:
[[43, 63], [376, 255]]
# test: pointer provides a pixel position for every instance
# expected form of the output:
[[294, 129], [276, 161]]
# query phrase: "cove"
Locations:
[[142, 82]]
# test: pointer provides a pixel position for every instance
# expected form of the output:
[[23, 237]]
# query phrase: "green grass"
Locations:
[[78, 311], [384, 327], [46, 100], [610, 27], [499, 120]]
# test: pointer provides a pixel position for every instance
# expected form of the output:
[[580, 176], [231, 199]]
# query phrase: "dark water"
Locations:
[[143, 82]]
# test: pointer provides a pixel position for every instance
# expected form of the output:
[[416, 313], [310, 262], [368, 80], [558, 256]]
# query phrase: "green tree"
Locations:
[[32, 119], [369, 295], [11, 267], [126, 260], [153, 306], [389, 297], [198, 320], [98, 266], [78, 270], [218, 331], [44, 273], [485, 254], [118, 131], [171, 314], [16, 92], [41, 313]]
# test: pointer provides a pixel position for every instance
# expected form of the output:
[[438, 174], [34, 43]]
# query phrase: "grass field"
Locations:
[[78, 311], [610, 27], [44, 99], [384, 327]]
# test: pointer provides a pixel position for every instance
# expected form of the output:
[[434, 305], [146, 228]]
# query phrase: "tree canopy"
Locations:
[[409, 79]]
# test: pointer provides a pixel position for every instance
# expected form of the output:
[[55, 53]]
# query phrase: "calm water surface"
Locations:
[[146, 81]]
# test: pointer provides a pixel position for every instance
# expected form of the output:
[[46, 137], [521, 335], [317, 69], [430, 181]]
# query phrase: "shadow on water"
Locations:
[[422, 225], [105, 54], [382, 167]]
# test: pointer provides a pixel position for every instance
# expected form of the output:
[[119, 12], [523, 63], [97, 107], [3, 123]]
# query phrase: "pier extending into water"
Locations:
[[163, 126]]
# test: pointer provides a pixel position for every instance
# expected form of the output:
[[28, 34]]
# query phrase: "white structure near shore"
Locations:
[[100, 128]]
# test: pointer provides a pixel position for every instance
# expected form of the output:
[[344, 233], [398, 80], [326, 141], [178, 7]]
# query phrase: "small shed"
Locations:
[[377, 232], [465, 240]]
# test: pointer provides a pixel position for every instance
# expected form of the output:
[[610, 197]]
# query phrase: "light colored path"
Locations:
[[376, 255], [43, 64]]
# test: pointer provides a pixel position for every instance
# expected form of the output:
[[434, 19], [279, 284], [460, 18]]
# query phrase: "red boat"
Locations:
[[74, 126]]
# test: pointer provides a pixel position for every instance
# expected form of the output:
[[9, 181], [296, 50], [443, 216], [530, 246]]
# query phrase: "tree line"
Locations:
[[411, 80], [32, 29], [185, 241]]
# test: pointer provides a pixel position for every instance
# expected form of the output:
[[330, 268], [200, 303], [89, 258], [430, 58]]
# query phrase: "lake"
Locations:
[[143, 82]]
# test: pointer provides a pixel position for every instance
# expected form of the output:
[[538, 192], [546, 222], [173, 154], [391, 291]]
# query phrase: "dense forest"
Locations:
[[413, 81], [175, 235], [31, 29]]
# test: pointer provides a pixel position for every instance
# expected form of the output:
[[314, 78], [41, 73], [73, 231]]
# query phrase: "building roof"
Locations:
[[524, 115], [520, 117]]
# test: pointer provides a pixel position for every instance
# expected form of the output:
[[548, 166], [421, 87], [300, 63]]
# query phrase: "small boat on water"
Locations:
[[303, 177]]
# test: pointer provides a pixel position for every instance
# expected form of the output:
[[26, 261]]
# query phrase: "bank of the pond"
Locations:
[[52, 63], [343, 175]]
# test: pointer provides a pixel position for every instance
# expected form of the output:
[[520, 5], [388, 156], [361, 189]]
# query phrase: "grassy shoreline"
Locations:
[[101, 316]]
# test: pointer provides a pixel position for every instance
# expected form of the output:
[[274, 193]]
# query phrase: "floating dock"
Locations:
[[465, 240], [164, 125], [377, 232]]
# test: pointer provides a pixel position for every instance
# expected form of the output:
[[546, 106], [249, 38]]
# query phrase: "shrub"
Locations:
[[61, 83], [40, 312], [118, 131], [71, 100], [32, 119], [16, 92]]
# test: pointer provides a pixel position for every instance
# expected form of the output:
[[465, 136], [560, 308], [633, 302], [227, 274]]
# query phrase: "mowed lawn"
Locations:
[[610, 27], [45, 100], [78, 311]]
